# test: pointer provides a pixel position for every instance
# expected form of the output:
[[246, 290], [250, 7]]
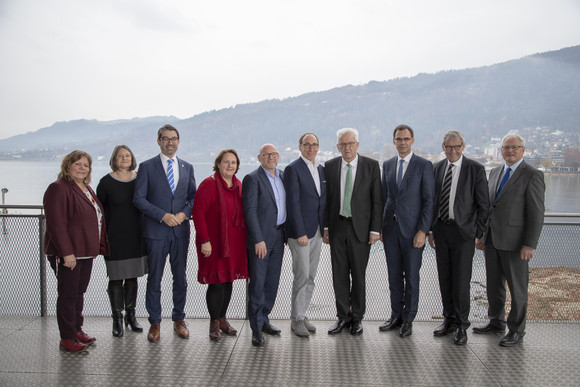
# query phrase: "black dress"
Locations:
[[124, 222]]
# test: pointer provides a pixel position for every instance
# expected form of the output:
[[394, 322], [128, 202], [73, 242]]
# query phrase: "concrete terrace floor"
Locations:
[[29, 356]]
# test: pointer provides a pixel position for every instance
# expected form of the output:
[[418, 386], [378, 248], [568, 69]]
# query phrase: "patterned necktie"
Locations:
[[445, 191], [170, 175], [400, 173], [503, 181], [347, 192]]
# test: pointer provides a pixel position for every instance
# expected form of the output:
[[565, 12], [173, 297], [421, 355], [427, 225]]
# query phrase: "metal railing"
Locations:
[[28, 288]]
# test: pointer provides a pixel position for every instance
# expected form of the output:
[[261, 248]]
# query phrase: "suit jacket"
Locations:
[[71, 223], [304, 207], [154, 199], [516, 216], [260, 208], [414, 201], [366, 202], [471, 204]]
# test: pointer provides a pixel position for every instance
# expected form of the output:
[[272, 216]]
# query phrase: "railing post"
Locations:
[[41, 226]]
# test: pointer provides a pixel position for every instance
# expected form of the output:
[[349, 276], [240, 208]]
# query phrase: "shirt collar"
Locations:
[[406, 158], [353, 163], [309, 163]]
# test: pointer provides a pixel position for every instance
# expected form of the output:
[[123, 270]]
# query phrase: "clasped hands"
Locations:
[[174, 220]]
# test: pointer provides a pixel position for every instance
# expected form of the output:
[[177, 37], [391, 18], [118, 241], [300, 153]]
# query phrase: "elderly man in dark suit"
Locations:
[[352, 224], [305, 185], [264, 200], [408, 193], [516, 192], [460, 211], [164, 192]]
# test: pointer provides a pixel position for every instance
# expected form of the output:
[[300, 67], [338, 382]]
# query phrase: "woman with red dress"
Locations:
[[218, 216]]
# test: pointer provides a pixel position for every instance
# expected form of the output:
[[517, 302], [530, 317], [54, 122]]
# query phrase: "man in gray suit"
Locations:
[[352, 223], [460, 212], [516, 192]]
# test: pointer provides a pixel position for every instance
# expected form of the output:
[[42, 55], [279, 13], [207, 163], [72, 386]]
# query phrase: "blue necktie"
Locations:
[[400, 173], [503, 181], [170, 175]]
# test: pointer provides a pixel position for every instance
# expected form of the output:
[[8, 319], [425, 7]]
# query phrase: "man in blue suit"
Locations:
[[164, 193], [264, 200], [408, 189], [305, 185]]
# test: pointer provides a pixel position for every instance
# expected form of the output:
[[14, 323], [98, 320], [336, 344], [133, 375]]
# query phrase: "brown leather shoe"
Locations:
[[226, 327], [72, 345], [84, 338], [154, 333], [181, 329], [214, 330]]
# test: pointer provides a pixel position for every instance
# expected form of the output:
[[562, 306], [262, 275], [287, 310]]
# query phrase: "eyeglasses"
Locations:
[[512, 147], [271, 154], [403, 139], [167, 139], [456, 148], [307, 145], [343, 145]]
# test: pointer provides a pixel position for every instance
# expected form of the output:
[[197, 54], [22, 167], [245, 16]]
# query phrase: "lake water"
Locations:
[[26, 182]]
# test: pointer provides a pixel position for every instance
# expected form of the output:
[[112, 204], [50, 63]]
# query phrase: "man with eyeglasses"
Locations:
[[516, 216], [164, 193], [305, 185], [352, 223], [408, 190], [460, 212], [264, 198]]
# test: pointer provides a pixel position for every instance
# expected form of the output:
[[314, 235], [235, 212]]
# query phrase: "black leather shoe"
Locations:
[[442, 329], [406, 329], [511, 339], [338, 326], [392, 323], [270, 329], [356, 327], [488, 328], [460, 336], [257, 339]]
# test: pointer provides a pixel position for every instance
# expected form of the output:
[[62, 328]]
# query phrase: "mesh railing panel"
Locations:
[[555, 270]]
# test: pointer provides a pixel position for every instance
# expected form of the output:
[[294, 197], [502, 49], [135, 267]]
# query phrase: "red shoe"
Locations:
[[84, 338], [72, 345]]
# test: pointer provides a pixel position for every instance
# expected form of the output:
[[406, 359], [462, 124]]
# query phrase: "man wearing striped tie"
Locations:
[[460, 211], [164, 193]]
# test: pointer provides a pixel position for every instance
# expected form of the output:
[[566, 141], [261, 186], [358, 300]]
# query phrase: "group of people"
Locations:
[[138, 219]]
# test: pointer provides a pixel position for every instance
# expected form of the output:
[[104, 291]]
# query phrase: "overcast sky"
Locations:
[[62, 60]]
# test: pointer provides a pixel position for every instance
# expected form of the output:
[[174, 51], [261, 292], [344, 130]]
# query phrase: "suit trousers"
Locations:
[[502, 265], [158, 250], [403, 266], [454, 266], [71, 285], [349, 258], [264, 280], [305, 261]]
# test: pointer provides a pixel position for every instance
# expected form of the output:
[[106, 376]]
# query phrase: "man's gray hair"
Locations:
[[341, 132], [514, 135]]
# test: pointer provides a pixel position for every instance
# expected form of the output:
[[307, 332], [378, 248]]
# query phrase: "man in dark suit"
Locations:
[[264, 200], [408, 193], [352, 223], [305, 185], [460, 211], [516, 216], [164, 192]]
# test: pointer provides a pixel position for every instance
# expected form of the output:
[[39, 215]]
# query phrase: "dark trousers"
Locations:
[[71, 286], [349, 258], [403, 266], [264, 280], [501, 265], [454, 266], [158, 250]]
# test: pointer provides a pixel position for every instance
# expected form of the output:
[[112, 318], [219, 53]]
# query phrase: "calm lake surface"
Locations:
[[26, 182]]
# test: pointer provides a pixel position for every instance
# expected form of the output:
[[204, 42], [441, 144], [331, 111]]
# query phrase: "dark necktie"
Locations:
[[400, 173], [503, 181], [445, 192]]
